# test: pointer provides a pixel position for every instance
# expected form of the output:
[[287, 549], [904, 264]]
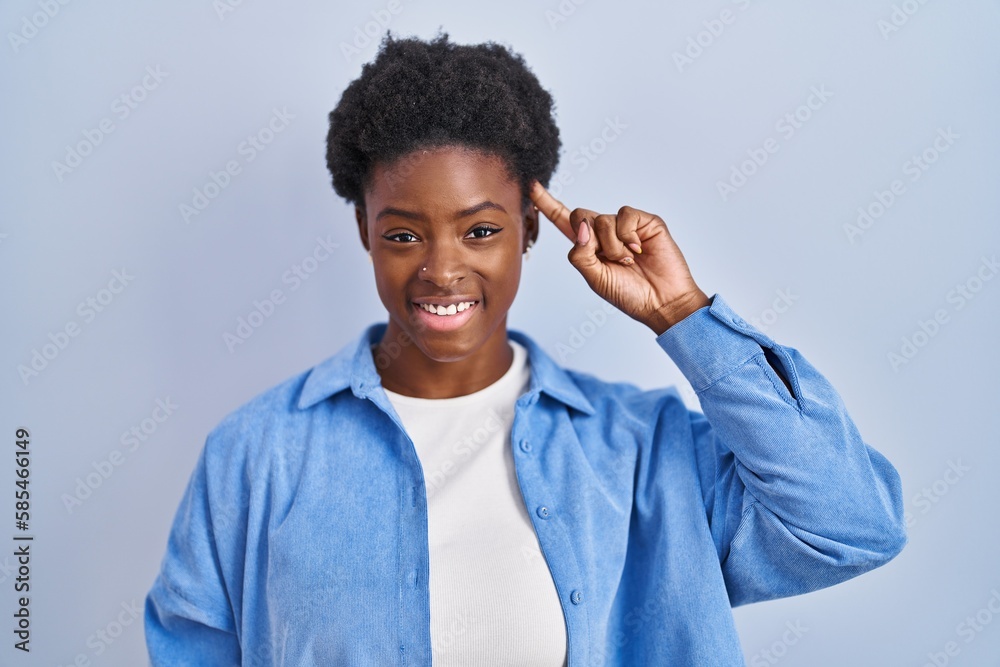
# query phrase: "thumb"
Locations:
[[583, 254]]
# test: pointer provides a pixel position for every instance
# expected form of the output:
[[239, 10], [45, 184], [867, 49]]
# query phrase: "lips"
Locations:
[[449, 313]]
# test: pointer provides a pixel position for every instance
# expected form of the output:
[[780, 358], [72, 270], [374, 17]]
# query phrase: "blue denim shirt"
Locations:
[[302, 536]]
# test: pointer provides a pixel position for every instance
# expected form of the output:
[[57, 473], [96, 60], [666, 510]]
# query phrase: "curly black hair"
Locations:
[[418, 94]]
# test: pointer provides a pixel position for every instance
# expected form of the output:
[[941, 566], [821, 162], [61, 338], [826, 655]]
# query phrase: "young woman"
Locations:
[[441, 490]]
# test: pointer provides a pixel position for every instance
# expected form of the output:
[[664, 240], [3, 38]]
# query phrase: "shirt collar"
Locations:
[[354, 367]]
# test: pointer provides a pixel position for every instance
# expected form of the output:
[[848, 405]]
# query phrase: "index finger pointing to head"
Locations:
[[553, 209]]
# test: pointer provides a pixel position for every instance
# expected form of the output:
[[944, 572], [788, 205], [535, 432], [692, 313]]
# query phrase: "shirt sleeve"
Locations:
[[796, 499], [189, 617]]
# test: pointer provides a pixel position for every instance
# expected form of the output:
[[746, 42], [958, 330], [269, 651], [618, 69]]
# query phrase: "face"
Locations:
[[446, 230]]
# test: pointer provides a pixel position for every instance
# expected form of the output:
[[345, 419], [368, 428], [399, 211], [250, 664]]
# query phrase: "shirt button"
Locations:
[[525, 446], [576, 597], [542, 511]]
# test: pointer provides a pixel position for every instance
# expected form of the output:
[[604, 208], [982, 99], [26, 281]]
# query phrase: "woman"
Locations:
[[442, 490]]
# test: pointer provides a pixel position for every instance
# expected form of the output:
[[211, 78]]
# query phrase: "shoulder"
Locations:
[[282, 413], [610, 400], [244, 436], [271, 406], [269, 426], [626, 399]]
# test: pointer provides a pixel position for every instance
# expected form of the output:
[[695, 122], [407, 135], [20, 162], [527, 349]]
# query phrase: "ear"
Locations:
[[530, 224], [362, 218]]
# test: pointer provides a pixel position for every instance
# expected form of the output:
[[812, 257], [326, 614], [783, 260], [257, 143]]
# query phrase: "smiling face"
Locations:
[[446, 230]]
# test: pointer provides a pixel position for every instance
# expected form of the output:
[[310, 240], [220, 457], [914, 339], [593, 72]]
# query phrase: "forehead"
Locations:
[[446, 171]]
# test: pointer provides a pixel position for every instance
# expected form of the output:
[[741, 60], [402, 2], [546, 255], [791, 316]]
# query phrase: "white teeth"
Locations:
[[447, 310]]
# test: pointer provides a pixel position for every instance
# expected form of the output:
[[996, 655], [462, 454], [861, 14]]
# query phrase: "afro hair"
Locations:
[[419, 94]]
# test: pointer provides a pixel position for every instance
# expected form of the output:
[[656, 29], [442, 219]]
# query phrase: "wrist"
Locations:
[[670, 314]]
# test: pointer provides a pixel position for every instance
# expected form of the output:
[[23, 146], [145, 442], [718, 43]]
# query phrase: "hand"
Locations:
[[628, 259]]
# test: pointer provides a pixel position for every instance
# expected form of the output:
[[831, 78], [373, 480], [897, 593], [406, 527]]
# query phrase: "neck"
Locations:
[[411, 371]]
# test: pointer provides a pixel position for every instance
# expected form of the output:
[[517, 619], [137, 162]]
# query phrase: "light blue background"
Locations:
[[686, 126]]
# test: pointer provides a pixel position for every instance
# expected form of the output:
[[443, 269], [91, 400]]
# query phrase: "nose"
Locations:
[[443, 264]]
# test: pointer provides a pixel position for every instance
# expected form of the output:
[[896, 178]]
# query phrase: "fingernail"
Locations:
[[635, 248], [583, 234], [627, 261]]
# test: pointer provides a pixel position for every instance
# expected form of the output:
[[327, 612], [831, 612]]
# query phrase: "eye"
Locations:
[[393, 237], [490, 231]]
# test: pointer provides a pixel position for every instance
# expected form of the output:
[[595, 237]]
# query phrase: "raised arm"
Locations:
[[795, 498]]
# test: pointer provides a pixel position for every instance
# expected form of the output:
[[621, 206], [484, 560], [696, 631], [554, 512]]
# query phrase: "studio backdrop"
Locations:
[[171, 246]]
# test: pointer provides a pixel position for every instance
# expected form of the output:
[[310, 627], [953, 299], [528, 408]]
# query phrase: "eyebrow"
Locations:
[[472, 210]]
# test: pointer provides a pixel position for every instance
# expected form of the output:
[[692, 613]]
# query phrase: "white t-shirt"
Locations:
[[492, 598]]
